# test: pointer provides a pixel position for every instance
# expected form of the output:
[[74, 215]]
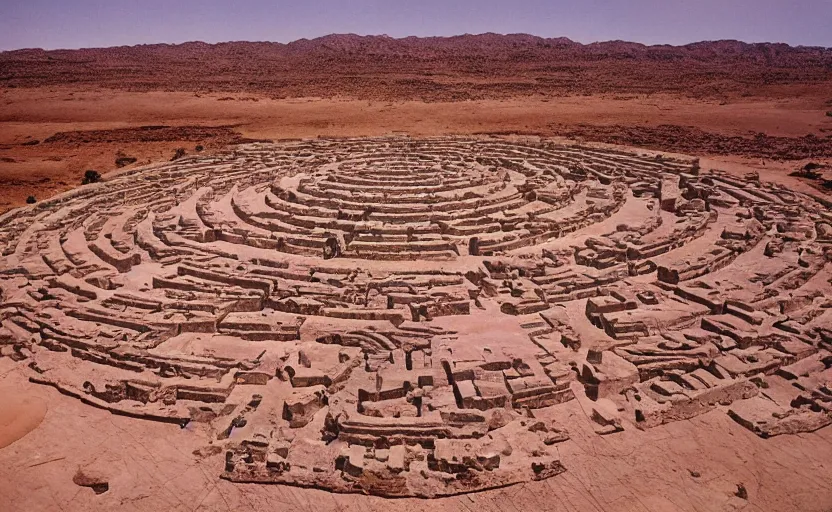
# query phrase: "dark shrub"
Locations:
[[31, 200], [180, 152], [91, 177]]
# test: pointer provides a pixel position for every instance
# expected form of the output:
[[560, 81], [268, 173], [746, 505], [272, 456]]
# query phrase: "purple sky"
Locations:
[[90, 23]]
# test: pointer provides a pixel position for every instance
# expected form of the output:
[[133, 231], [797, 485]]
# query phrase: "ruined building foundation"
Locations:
[[406, 317]]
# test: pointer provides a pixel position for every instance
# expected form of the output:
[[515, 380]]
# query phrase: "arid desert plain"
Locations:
[[483, 273]]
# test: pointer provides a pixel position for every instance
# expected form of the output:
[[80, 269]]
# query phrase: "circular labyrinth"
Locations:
[[414, 317], [413, 202]]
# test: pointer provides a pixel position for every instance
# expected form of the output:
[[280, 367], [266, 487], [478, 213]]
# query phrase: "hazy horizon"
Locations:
[[396, 38], [55, 24]]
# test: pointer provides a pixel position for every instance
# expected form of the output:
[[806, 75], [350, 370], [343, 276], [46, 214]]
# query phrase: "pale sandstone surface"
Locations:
[[151, 467], [20, 413]]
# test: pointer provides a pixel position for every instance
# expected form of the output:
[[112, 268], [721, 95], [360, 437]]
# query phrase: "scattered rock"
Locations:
[[125, 161], [88, 477], [208, 451], [741, 492]]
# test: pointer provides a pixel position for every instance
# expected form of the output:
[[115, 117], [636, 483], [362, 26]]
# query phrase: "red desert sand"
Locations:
[[19, 414]]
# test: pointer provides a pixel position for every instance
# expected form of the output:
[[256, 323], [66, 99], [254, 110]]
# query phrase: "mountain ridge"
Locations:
[[514, 37], [433, 69]]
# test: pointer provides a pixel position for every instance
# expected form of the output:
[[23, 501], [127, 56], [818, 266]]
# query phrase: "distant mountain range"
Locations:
[[430, 68]]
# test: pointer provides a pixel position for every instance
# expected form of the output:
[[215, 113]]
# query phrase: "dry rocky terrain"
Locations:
[[481, 272]]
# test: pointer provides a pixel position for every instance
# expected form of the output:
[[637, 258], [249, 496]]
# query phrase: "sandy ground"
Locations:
[[20, 413], [48, 168], [152, 466]]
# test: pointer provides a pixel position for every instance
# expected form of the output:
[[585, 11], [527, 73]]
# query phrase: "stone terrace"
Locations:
[[405, 317]]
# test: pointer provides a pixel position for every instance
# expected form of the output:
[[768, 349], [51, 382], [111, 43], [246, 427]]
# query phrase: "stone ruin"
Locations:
[[407, 317]]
